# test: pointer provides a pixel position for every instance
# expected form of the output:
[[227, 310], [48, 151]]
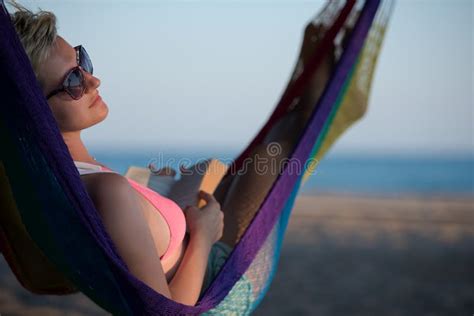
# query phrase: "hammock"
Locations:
[[52, 236]]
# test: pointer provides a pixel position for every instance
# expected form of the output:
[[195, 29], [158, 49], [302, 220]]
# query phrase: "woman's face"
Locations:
[[71, 115]]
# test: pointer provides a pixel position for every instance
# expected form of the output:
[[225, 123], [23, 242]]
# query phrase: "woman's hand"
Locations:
[[206, 222]]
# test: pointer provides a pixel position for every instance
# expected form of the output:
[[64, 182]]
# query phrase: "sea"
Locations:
[[366, 174]]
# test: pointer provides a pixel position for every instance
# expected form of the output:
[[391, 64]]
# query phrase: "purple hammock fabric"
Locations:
[[142, 299]]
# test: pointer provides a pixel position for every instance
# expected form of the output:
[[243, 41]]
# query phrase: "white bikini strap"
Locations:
[[88, 168]]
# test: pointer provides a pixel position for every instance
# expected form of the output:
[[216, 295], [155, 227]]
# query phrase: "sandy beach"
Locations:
[[343, 255]]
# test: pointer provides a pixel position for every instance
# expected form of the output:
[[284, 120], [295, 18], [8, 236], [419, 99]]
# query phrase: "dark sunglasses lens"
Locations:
[[74, 84], [85, 61]]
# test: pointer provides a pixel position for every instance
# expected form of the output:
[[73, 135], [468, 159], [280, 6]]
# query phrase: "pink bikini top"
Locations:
[[170, 211]]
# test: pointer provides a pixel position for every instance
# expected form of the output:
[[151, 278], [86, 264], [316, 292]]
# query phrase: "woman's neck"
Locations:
[[76, 147]]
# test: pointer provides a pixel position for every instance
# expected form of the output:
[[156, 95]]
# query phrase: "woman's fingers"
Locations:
[[206, 196], [209, 198]]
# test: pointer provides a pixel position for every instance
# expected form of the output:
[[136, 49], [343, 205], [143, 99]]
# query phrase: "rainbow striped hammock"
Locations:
[[52, 236]]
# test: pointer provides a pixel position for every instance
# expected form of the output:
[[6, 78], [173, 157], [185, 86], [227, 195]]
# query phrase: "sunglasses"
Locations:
[[74, 82]]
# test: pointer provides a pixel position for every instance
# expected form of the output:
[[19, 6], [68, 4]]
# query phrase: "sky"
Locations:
[[188, 74]]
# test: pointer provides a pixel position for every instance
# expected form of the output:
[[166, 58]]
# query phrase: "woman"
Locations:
[[146, 228]]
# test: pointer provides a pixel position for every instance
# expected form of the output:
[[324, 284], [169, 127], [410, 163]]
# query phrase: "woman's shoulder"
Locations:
[[105, 184], [96, 175]]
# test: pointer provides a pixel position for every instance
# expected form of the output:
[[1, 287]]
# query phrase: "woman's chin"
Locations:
[[102, 111]]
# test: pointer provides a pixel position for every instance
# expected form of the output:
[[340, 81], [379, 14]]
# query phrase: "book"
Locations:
[[204, 175]]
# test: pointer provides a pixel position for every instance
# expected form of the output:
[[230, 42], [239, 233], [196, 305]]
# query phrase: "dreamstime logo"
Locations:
[[265, 160], [274, 149]]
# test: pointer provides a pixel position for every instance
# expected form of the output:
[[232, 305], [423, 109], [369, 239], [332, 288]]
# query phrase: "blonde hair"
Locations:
[[37, 33]]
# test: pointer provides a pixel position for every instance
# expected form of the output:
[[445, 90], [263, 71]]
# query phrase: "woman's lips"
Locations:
[[97, 99]]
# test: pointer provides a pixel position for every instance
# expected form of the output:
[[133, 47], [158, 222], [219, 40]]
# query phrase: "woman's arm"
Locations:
[[187, 282], [128, 228], [120, 211], [205, 227]]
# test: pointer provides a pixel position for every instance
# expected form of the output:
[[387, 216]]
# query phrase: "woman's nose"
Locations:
[[92, 82]]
